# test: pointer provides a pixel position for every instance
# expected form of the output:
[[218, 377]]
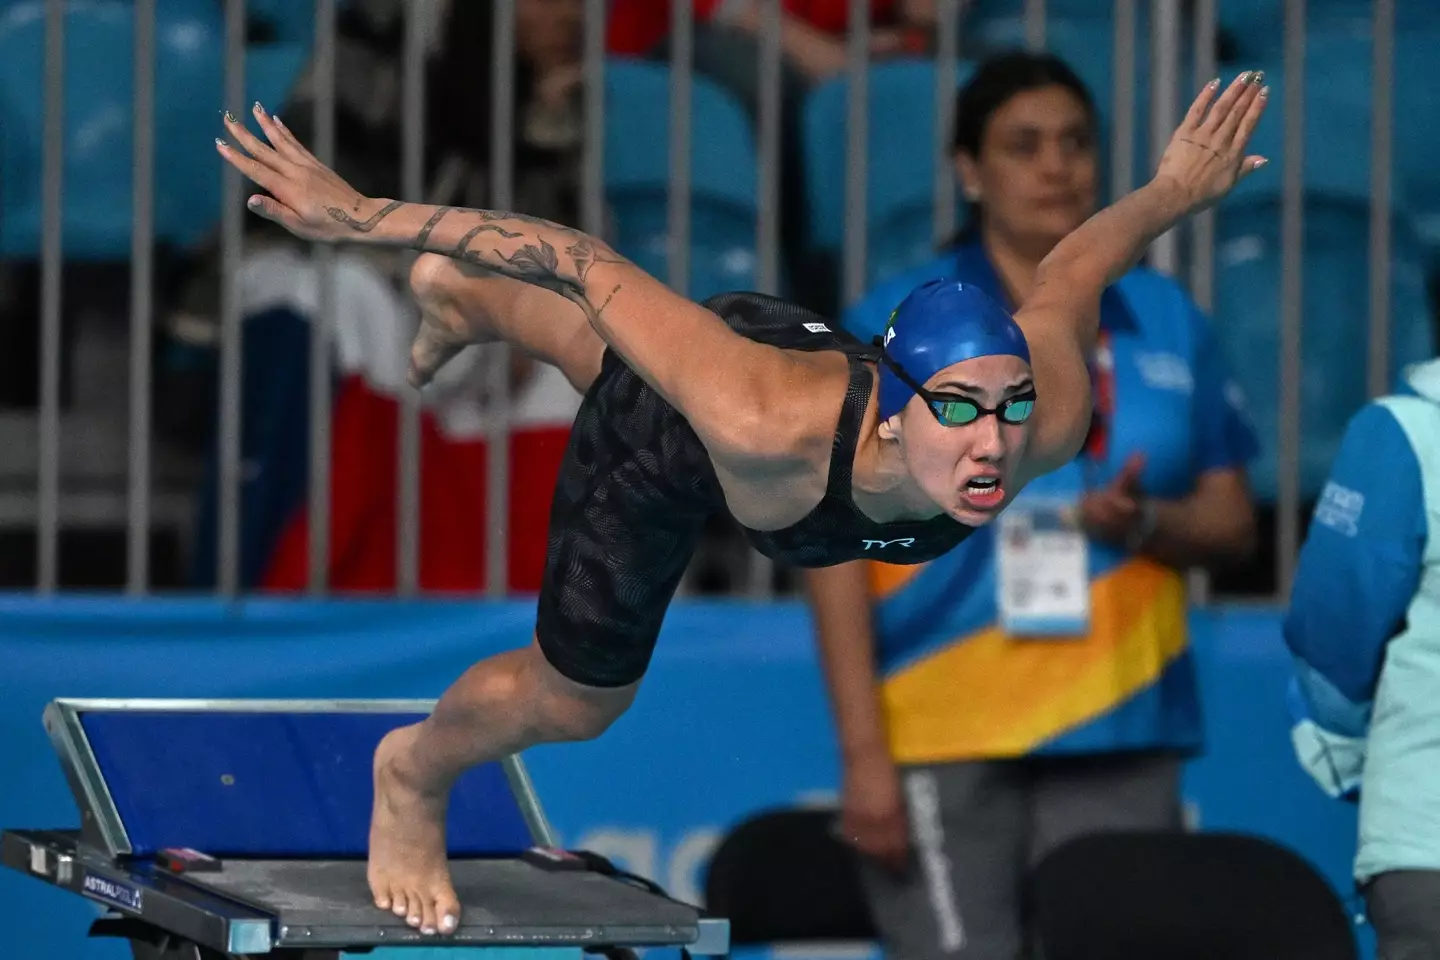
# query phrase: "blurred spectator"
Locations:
[[1036, 683], [1364, 628], [549, 120]]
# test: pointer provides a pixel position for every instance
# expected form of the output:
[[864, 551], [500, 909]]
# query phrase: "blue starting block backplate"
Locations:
[[274, 784]]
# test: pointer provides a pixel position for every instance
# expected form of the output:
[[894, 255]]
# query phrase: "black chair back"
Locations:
[[783, 876], [1186, 896]]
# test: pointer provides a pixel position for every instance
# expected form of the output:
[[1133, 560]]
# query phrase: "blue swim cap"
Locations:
[[943, 322]]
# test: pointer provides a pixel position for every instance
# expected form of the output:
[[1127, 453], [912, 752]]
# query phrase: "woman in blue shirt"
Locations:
[[1035, 683]]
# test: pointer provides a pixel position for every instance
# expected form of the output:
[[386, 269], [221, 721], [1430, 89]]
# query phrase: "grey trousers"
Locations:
[[1404, 908], [976, 829]]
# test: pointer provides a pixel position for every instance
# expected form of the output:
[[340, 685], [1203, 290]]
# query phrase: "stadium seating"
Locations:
[[723, 184], [99, 121], [1334, 322], [900, 170]]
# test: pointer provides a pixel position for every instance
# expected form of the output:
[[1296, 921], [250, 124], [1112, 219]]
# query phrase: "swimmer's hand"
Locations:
[[1206, 157], [305, 196]]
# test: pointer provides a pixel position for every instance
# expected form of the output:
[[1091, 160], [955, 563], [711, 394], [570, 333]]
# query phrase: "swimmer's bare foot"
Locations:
[[408, 871], [435, 345], [445, 329]]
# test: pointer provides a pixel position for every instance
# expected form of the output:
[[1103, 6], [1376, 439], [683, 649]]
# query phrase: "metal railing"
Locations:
[[1174, 24]]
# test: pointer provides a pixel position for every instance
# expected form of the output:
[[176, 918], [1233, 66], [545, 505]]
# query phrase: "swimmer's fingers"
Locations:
[[1250, 164], [292, 141], [260, 174], [1196, 114], [1246, 128], [260, 151], [1225, 106], [276, 212], [284, 145], [1226, 133]]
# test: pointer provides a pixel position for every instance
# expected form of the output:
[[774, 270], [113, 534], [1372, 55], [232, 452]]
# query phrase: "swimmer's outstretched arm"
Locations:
[[1061, 318], [731, 389]]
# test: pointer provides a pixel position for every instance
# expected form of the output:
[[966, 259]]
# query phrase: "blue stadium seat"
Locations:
[[900, 181], [1334, 321], [188, 115], [723, 201], [1256, 28], [98, 116], [1336, 165], [1338, 113], [98, 107]]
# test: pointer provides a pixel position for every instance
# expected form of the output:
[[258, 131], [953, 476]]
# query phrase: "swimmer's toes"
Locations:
[[428, 921], [447, 910], [399, 904], [428, 355], [381, 893]]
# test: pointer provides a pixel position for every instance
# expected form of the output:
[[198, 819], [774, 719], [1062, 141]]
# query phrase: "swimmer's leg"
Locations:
[[462, 304], [501, 705]]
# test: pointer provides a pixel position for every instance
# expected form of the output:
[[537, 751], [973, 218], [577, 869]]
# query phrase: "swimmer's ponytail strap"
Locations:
[[942, 322]]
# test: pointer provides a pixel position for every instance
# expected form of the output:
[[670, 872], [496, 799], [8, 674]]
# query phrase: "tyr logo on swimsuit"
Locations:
[[882, 544]]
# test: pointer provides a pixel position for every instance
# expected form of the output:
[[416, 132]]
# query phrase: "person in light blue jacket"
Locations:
[[1363, 626]]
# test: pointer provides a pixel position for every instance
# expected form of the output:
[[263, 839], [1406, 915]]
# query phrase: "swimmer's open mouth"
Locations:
[[982, 493]]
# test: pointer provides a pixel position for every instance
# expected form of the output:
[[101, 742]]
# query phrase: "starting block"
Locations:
[[213, 829]]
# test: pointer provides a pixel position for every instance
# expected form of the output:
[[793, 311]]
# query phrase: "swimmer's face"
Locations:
[[1036, 175], [968, 470]]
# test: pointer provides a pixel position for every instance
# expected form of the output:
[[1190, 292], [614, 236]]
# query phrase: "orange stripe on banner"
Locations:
[[990, 695]]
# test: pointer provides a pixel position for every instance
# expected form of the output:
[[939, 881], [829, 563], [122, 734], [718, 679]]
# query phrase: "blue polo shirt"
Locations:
[[955, 685]]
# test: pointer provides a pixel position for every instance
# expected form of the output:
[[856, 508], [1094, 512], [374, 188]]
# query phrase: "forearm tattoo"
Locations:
[[534, 261], [363, 226]]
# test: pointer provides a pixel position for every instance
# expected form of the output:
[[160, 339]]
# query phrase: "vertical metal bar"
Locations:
[[1035, 24], [947, 54], [1122, 109], [767, 227], [857, 154], [47, 521], [502, 156], [682, 19], [1202, 227], [1202, 260], [322, 329], [232, 236], [1292, 238], [592, 164], [142, 192], [412, 176], [1164, 115], [1382, 122]]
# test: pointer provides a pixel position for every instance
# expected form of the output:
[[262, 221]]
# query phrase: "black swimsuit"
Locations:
[[637, 486]]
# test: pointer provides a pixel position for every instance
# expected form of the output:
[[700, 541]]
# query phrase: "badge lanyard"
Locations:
[[1097, 441]]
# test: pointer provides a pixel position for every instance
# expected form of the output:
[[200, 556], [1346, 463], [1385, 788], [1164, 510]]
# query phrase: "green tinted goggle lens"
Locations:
[[960, 412]]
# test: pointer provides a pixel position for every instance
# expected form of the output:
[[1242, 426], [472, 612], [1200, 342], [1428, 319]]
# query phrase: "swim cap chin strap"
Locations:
[[941, 323]]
